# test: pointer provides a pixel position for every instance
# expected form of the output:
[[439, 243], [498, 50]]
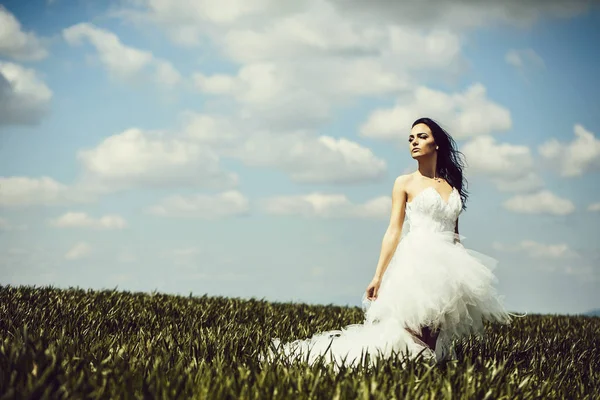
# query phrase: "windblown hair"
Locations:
[[450, 161]]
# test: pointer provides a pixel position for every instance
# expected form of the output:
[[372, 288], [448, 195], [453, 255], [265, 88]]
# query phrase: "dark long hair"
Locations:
[[450, 161]]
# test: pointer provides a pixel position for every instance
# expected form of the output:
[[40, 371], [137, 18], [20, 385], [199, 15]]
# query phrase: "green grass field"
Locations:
[[75, 343]]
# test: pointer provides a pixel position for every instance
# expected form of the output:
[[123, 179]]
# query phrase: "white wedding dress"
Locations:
[[432, 280]]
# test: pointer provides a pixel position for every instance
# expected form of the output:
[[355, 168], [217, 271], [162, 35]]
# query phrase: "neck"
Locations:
[[428, 167]]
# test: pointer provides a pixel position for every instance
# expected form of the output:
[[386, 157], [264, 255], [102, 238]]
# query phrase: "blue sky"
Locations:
[[249, 149]]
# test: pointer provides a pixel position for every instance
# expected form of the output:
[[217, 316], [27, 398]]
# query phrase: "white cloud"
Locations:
[[78, 251], [462, 14], [210, 207], [188, 23], [193, 17], [301, 61], [297, 68], [465, 115], [320, 32], [524, 58], [215, 84], [310, 33], [82, 220], [543, 202], [292, 95], [192, 157], [137, 158], [24, 98], [322, 205], [5, 225], [594, 207], [120, 60], [217, 132], [25, 191], [558, 257], [539, 250], [166, 74], [503, 159], [575, 157], [509, 166], [309, 159], [17, 44], [304, 156]]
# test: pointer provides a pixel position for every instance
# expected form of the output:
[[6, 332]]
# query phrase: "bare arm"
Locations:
[[394, 230]]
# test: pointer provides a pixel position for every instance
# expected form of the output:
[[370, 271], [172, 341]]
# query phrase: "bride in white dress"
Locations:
[[428, 289]]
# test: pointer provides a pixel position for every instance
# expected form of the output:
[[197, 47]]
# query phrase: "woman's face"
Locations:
[[420, 141]]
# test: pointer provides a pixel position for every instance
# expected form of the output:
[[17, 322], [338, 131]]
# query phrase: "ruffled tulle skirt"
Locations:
[[432, 280]]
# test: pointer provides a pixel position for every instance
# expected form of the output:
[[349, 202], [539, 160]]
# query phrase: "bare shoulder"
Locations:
[[401, 185], [403, 181]]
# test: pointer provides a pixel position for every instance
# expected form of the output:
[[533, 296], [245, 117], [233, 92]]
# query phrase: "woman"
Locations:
[[427, 289]]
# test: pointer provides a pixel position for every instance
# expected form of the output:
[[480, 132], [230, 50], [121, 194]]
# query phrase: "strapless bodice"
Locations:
[[428, 212]]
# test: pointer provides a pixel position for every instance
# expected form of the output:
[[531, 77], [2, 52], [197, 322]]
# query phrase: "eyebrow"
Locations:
[[420, 133]]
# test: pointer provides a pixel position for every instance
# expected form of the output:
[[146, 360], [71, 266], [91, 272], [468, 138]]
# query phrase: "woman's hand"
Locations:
[[373, 288]]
